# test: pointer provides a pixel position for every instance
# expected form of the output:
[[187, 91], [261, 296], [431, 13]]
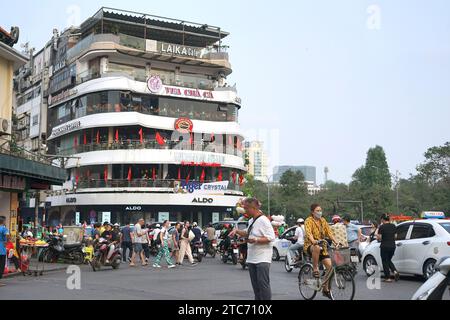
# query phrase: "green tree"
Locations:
[[371, 183], [436, 167]]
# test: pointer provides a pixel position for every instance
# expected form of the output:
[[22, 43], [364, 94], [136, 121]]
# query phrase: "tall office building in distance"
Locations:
[[257, 160]]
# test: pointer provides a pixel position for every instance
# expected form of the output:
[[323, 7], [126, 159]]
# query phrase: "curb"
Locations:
[[16, 274]]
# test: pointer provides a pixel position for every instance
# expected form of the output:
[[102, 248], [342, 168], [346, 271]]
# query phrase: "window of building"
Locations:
[[35, 120]]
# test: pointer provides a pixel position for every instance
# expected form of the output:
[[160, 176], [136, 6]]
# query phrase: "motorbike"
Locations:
[[100, 254], [210, 248], [434, 288], [354, 259], [69, 253], [231, 253], [197, 250], [296, 262], [242, 244]]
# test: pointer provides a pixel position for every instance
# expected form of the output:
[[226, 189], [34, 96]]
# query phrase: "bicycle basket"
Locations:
[[340, 257]]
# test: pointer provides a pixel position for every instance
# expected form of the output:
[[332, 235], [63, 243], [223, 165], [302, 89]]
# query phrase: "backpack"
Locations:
[[158, 239]]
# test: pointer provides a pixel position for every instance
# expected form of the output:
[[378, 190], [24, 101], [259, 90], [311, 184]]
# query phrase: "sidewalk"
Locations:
[[48, 267]]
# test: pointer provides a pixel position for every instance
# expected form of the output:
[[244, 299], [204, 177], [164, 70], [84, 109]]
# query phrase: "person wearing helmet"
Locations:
[[225, 236], [339, 231], [197, 232], [299, 237]]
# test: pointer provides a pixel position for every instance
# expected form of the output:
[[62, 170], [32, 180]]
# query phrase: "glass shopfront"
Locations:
[[126, 101]]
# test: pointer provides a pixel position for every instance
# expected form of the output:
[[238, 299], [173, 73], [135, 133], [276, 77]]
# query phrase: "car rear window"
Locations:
[[446, 226]]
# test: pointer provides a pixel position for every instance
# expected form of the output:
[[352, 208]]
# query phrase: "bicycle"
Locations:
[[340, 278]]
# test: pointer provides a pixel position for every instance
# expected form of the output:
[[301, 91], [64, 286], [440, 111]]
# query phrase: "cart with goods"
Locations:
[[29, 256]]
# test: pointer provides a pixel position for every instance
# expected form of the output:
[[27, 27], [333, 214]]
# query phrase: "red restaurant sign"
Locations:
[[184, 125]]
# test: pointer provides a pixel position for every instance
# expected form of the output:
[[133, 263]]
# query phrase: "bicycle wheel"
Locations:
[[342, 285], [305, 279]]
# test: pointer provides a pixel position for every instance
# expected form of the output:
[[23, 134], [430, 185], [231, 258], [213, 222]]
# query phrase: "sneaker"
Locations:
[[170, 266], [107, 261], [193, 264], [132, 265], [396, 276], [129, 259], [156, 266]]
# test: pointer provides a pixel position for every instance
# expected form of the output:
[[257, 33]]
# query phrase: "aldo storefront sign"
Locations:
[[202, 200]]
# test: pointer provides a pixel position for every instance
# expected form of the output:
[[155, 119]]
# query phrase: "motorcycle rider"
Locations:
[[225, 235], [210, 235], [299, 237], [112, 239], [197, 232]]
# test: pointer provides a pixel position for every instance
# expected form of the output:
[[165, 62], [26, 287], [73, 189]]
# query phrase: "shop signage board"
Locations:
[[162, 216], [215, 217]]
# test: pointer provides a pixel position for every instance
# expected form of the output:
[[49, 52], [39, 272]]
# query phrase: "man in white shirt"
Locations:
[[300, 237], [260, 237], [139, 237]]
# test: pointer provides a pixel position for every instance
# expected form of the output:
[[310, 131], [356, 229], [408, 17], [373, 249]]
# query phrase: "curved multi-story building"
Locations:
[[148, 126]]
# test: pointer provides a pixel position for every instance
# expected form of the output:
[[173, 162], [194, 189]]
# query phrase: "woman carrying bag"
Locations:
[[186, 237]]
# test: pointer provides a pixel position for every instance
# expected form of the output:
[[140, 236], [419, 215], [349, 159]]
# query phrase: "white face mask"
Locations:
[[318, 215]]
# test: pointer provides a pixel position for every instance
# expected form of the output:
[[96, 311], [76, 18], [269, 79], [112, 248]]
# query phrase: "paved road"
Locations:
[[210, 280]]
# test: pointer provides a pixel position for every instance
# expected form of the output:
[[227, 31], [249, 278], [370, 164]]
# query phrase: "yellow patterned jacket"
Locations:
[[319, 231]]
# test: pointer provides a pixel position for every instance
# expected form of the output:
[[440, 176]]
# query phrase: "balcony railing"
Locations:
[[140, 183], [151, 144]]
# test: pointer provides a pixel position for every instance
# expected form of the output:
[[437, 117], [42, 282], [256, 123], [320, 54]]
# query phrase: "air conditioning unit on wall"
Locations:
[[5, 125]]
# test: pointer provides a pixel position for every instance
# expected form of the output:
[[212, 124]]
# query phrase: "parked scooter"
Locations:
[[434, 288], [100, 254], [70, 253]]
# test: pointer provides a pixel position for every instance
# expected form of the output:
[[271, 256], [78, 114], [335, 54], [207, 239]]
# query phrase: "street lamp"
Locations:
[[268, 192], [396, 177]]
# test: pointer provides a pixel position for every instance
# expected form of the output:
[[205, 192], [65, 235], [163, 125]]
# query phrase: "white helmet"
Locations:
[[158, 226], [194, 224], [300, 220]]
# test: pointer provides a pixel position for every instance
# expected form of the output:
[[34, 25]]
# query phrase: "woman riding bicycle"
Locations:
[[316, 230]]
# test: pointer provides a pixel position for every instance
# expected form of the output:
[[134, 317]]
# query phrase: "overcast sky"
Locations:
[[321, 81]]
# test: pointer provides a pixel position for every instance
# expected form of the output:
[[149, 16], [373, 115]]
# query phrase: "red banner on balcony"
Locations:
[[159, 139], [219, 177], [188, 176], [241, 179], [154, 173], [212, 137], [117, 135], [105, 173], [98, 137], [202, 176], [129, 174], [233, 176], [179, 173], [84, 138], [141, 133]]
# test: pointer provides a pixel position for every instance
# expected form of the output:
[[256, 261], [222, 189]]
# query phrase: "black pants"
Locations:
[[2, 265], [125, 246], [386, 258], [259, 276]]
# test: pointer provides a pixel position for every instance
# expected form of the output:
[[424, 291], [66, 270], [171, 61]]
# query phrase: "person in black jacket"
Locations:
[[387, 235]]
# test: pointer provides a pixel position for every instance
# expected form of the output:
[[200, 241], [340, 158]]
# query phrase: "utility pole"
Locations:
[[361, 203]]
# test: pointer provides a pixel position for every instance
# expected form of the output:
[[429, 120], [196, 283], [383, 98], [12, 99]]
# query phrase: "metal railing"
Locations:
[[20, 152], [152, 144], [141, 183]]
